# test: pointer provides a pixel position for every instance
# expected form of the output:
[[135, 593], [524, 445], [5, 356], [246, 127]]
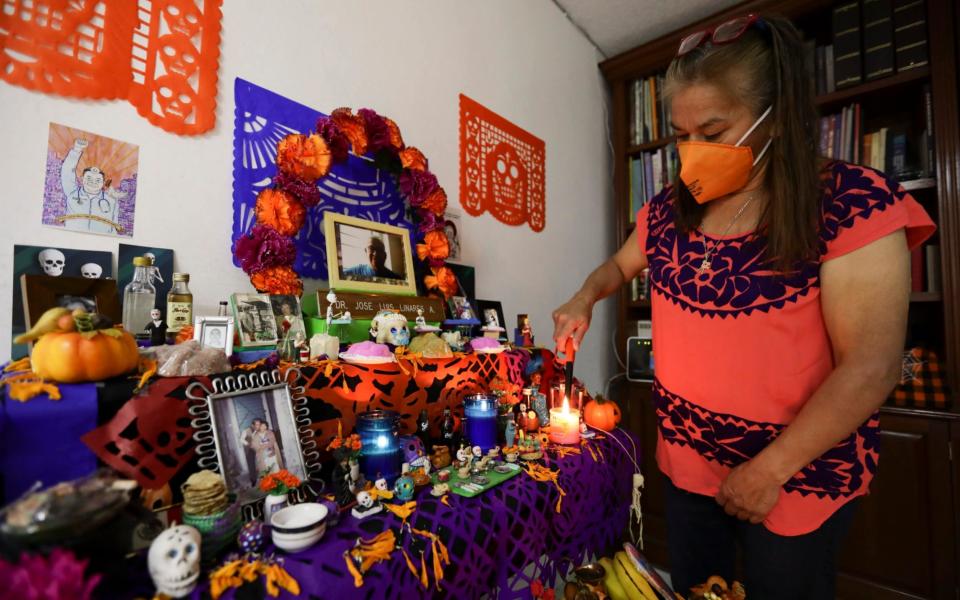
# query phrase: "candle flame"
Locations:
[[566, 406]]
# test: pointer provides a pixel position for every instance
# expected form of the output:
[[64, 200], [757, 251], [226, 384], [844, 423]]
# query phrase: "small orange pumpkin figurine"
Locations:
[[63, 355], [602, 413]]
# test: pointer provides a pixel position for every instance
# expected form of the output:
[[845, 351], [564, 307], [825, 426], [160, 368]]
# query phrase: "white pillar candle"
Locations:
[[564, 424]]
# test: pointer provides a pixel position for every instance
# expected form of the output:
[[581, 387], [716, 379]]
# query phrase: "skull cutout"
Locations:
[[182, 17], [508, 183], [175, 97], [91, 271], [391, 327], [174, 561], [178, 55], [53, 261]]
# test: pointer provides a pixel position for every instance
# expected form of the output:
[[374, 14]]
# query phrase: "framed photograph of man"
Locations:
[[365, 256], [286, 309], [255, 432], [490, 313], [254, 320], [214, 332]]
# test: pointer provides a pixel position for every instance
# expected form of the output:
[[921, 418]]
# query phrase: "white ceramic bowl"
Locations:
[[298, 527]]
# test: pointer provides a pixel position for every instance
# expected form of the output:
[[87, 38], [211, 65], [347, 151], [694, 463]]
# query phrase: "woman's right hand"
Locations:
[[572, 320]]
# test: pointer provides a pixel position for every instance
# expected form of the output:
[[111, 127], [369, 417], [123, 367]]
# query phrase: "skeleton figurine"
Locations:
[[366, 506], [52, 261], [420, 321], [343, 486], [174, 561]]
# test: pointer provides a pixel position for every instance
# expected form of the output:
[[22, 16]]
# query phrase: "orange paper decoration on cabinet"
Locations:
[[160, 55], [501, 168]]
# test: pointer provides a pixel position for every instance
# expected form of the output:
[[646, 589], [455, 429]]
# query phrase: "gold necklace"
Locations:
[[708, 251]]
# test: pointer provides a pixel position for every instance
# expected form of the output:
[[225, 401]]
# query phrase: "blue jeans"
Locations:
[[703, 540]]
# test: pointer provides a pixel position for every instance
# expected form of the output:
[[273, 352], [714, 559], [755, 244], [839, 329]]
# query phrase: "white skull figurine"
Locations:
[[91, 271], [174, 561], [53, 261], [365, 500], [391, 327], [381, 484]]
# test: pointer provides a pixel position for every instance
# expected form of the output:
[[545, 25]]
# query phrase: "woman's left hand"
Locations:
[[749, 492]]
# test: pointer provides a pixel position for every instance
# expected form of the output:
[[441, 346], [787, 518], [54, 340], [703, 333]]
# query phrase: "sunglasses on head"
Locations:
[[724, 33]]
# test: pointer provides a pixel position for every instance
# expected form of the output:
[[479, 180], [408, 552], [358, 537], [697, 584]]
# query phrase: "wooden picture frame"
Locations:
[[347, 235], [43, 292]]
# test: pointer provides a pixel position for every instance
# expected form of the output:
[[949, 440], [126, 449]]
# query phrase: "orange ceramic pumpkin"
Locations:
[[602, 413], [73, 357]]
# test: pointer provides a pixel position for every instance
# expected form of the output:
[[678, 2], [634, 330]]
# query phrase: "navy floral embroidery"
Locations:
[[731, 441], [740, 281]]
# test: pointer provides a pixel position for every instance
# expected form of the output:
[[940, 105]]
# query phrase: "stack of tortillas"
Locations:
[[204, 494]]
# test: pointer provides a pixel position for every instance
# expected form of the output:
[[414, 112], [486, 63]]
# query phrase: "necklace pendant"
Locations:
[[705, 265]]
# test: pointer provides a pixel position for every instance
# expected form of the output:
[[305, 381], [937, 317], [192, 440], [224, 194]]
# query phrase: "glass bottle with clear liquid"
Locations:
[[139, 297]]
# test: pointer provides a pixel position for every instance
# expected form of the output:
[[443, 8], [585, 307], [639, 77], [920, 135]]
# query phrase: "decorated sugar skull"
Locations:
[[174, 561], [508, 178], [52, 261], [403, 488], [91, 271], [389, 326], [365, 500], [412, 449], [381, 484]]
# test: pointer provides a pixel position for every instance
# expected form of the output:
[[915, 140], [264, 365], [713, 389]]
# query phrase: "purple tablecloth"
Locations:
[[492, 539]]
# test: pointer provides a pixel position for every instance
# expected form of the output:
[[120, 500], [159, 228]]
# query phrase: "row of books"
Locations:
[[888, 149], [649, 115], [649, 172], [925, 269]]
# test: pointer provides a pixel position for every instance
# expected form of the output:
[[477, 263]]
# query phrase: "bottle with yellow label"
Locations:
[[179, 303]]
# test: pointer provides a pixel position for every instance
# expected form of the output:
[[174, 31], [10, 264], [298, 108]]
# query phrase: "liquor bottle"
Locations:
[[223, 310], [423, 429], [179, 303], [448, 430], [139, 298]]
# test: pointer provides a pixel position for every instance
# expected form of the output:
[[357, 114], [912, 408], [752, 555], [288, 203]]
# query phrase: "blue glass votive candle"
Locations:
[[380, 454], [480, 420]]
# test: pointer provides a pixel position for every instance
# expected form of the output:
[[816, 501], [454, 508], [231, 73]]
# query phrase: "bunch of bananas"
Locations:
[[623, 581]]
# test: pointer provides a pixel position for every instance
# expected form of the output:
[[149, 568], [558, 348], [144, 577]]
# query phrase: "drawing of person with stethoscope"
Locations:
[[92, 205]]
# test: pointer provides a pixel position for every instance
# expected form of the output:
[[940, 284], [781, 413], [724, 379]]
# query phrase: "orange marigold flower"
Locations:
[[444, 280], [396, 140], [184, 335], [278, 281], [306, 157], [411, 158], [281, 211], [435, 245], [352, 126], [335, 444], [436, 202]]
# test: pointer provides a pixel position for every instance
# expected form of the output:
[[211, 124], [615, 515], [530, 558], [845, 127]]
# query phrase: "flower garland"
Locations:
[[267, 253]]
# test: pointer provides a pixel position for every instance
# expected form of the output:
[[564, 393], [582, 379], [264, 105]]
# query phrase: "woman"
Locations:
[[264, 444], [780, 293]]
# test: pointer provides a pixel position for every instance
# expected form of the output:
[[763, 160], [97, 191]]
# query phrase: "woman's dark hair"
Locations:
[[765, 67]]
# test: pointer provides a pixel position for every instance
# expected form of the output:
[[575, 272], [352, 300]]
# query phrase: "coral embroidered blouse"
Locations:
[[740, 350]]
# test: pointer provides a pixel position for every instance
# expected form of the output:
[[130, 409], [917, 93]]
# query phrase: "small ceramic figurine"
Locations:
[[342, 482], [510, 433], [174, 561], [366, 506], [533, 422], [157, 328], [477, 452], [526, 333], [421, 323], [301, 346], [464, 456], [454, 339], [466, 312], [331, 301], [250, 538], [403, 488], [439, 489]]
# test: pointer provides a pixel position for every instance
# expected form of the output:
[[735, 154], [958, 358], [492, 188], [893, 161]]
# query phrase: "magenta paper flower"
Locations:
[[378, 134], [428, 221], [305, 191], [338, 143], [56, 577], [418, 185], [262, 247]]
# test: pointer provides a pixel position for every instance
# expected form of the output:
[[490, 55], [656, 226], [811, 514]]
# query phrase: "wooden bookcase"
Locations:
[[905, 542]]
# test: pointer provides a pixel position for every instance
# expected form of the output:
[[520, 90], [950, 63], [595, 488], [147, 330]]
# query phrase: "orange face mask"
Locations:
[[711, 170]]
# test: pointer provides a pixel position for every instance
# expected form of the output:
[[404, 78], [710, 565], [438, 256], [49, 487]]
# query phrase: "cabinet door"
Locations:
[[901, 544]]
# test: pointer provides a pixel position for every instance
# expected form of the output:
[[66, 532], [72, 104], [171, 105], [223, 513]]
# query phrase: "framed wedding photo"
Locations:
[[365, 256]]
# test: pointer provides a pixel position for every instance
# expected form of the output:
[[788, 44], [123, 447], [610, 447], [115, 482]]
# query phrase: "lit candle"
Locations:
[[564, 424]]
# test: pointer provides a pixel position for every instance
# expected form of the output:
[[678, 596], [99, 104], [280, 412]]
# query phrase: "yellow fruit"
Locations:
[[611, 582], [47, 322], [632, 581]]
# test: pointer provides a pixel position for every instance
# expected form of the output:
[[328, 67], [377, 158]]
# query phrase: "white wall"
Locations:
[[408, 60]]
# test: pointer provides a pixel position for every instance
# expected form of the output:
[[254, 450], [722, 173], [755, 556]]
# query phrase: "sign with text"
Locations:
[[366, 306]]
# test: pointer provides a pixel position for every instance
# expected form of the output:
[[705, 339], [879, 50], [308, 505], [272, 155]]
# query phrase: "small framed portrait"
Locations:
[[43, 292], [255, 432], [461, 309], [490, 313], [286, 311], [214, 332], [365, 256], [254, 320]]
